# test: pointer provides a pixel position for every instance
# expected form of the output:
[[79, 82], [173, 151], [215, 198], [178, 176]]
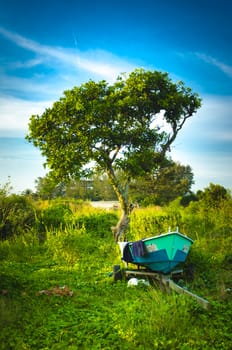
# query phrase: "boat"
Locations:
[[161, 253]]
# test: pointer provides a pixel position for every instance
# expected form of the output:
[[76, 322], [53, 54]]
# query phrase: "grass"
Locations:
[[102, 314]]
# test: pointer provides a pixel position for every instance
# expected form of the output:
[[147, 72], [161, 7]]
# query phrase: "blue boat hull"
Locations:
[[159, 253]]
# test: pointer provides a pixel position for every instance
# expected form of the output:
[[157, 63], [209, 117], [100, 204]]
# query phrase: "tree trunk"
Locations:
[[120, 229], [124, 220], [122, 194]]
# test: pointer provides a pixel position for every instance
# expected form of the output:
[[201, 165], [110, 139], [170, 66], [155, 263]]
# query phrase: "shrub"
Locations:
[[55, 216], [17, 215], [97, 223]]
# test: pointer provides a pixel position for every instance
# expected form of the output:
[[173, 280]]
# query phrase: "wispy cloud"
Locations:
[[27, 64], [22, 95], [207, 167], [205, 143], [99, 65], [223, 135], [38, 87], [211, 123], [225, 68], [15, 114]]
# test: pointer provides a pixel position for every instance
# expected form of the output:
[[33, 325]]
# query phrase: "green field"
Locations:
[[57, 289]]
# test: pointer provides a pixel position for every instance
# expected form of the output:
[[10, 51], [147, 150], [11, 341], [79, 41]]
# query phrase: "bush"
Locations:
[[98, 223], [55, 216], [17, 215], [152, 221]]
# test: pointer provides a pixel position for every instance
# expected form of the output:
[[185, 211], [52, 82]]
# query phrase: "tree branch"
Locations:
[[115, 154], [175, 128]]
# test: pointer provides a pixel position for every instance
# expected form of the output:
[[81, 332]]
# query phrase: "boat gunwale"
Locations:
[[167, 234]]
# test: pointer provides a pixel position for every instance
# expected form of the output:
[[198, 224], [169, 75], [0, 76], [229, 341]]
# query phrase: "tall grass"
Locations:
[[211, 230], [102, 314]]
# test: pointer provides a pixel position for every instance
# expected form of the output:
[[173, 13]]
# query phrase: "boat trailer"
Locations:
[[164, 281]]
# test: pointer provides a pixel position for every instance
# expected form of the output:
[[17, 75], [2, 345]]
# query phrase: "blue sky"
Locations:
[[48, 46]]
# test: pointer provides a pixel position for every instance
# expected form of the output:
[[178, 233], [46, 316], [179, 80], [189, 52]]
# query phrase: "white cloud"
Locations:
[[205, 143], [225, 68], [15, 114], [215, 167], [212, 122], [27, 64], [103, 64], [215, 120], [221, 135], [36, 87], [62, 69]]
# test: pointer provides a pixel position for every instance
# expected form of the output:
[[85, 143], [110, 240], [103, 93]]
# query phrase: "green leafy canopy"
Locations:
[[115, 126]]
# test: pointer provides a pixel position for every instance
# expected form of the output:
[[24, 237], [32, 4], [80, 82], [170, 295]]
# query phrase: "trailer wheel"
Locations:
[[117, 273]]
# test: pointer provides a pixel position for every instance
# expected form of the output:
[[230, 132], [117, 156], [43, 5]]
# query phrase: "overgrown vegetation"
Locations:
[[123, 130], [56, 289]]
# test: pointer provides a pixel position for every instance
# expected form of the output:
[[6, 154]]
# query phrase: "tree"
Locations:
[[47, 188], [170, 181], [79, 188], [116, 127], [213, 196], [102, 190], [95, 188]]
